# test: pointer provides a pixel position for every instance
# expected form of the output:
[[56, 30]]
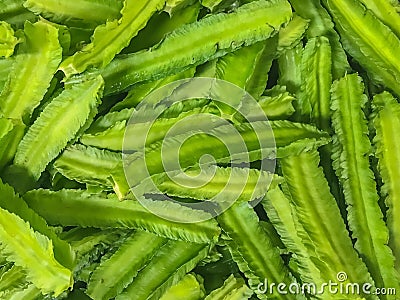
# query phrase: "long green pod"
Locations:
[[58, 124], [233, 288], [282, 215], [88, 165], [14, 204], [314, 96], [169, 265], [34, 253], [109, 130], [188, 288], [216, 184], [7, 40], [289, 63], [240, 264], [109, 39], [36, 62], [387, 125], [113, 275], [198, 42], [351, 147], [329, 243], [272, 233], [77, 13], [386, 11], [240, 222], [59, 181], [321, 24], [14, 13], [308, 74], [286, 138], [113, 137], [77, 207], [371, 43]]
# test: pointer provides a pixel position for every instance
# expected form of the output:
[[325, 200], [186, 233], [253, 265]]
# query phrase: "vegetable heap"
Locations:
[[325, 73]]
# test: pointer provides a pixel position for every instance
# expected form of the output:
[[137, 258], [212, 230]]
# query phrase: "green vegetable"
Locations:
[[192, 44], [77, 13], [290, 138], [110, 278], [88, 165], [75, 207], [282, 214], [256, 257], [109, 39], [58, 124], [37, 259], [368, 40], [325, 234], [314, 95], [172, 6], [141, 90], [240, 184], [284, 187], [169, 265], [321, 24], [386, 11], [291, 34], [36, 62], [387, 123], [350, 160], [14, 204]]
